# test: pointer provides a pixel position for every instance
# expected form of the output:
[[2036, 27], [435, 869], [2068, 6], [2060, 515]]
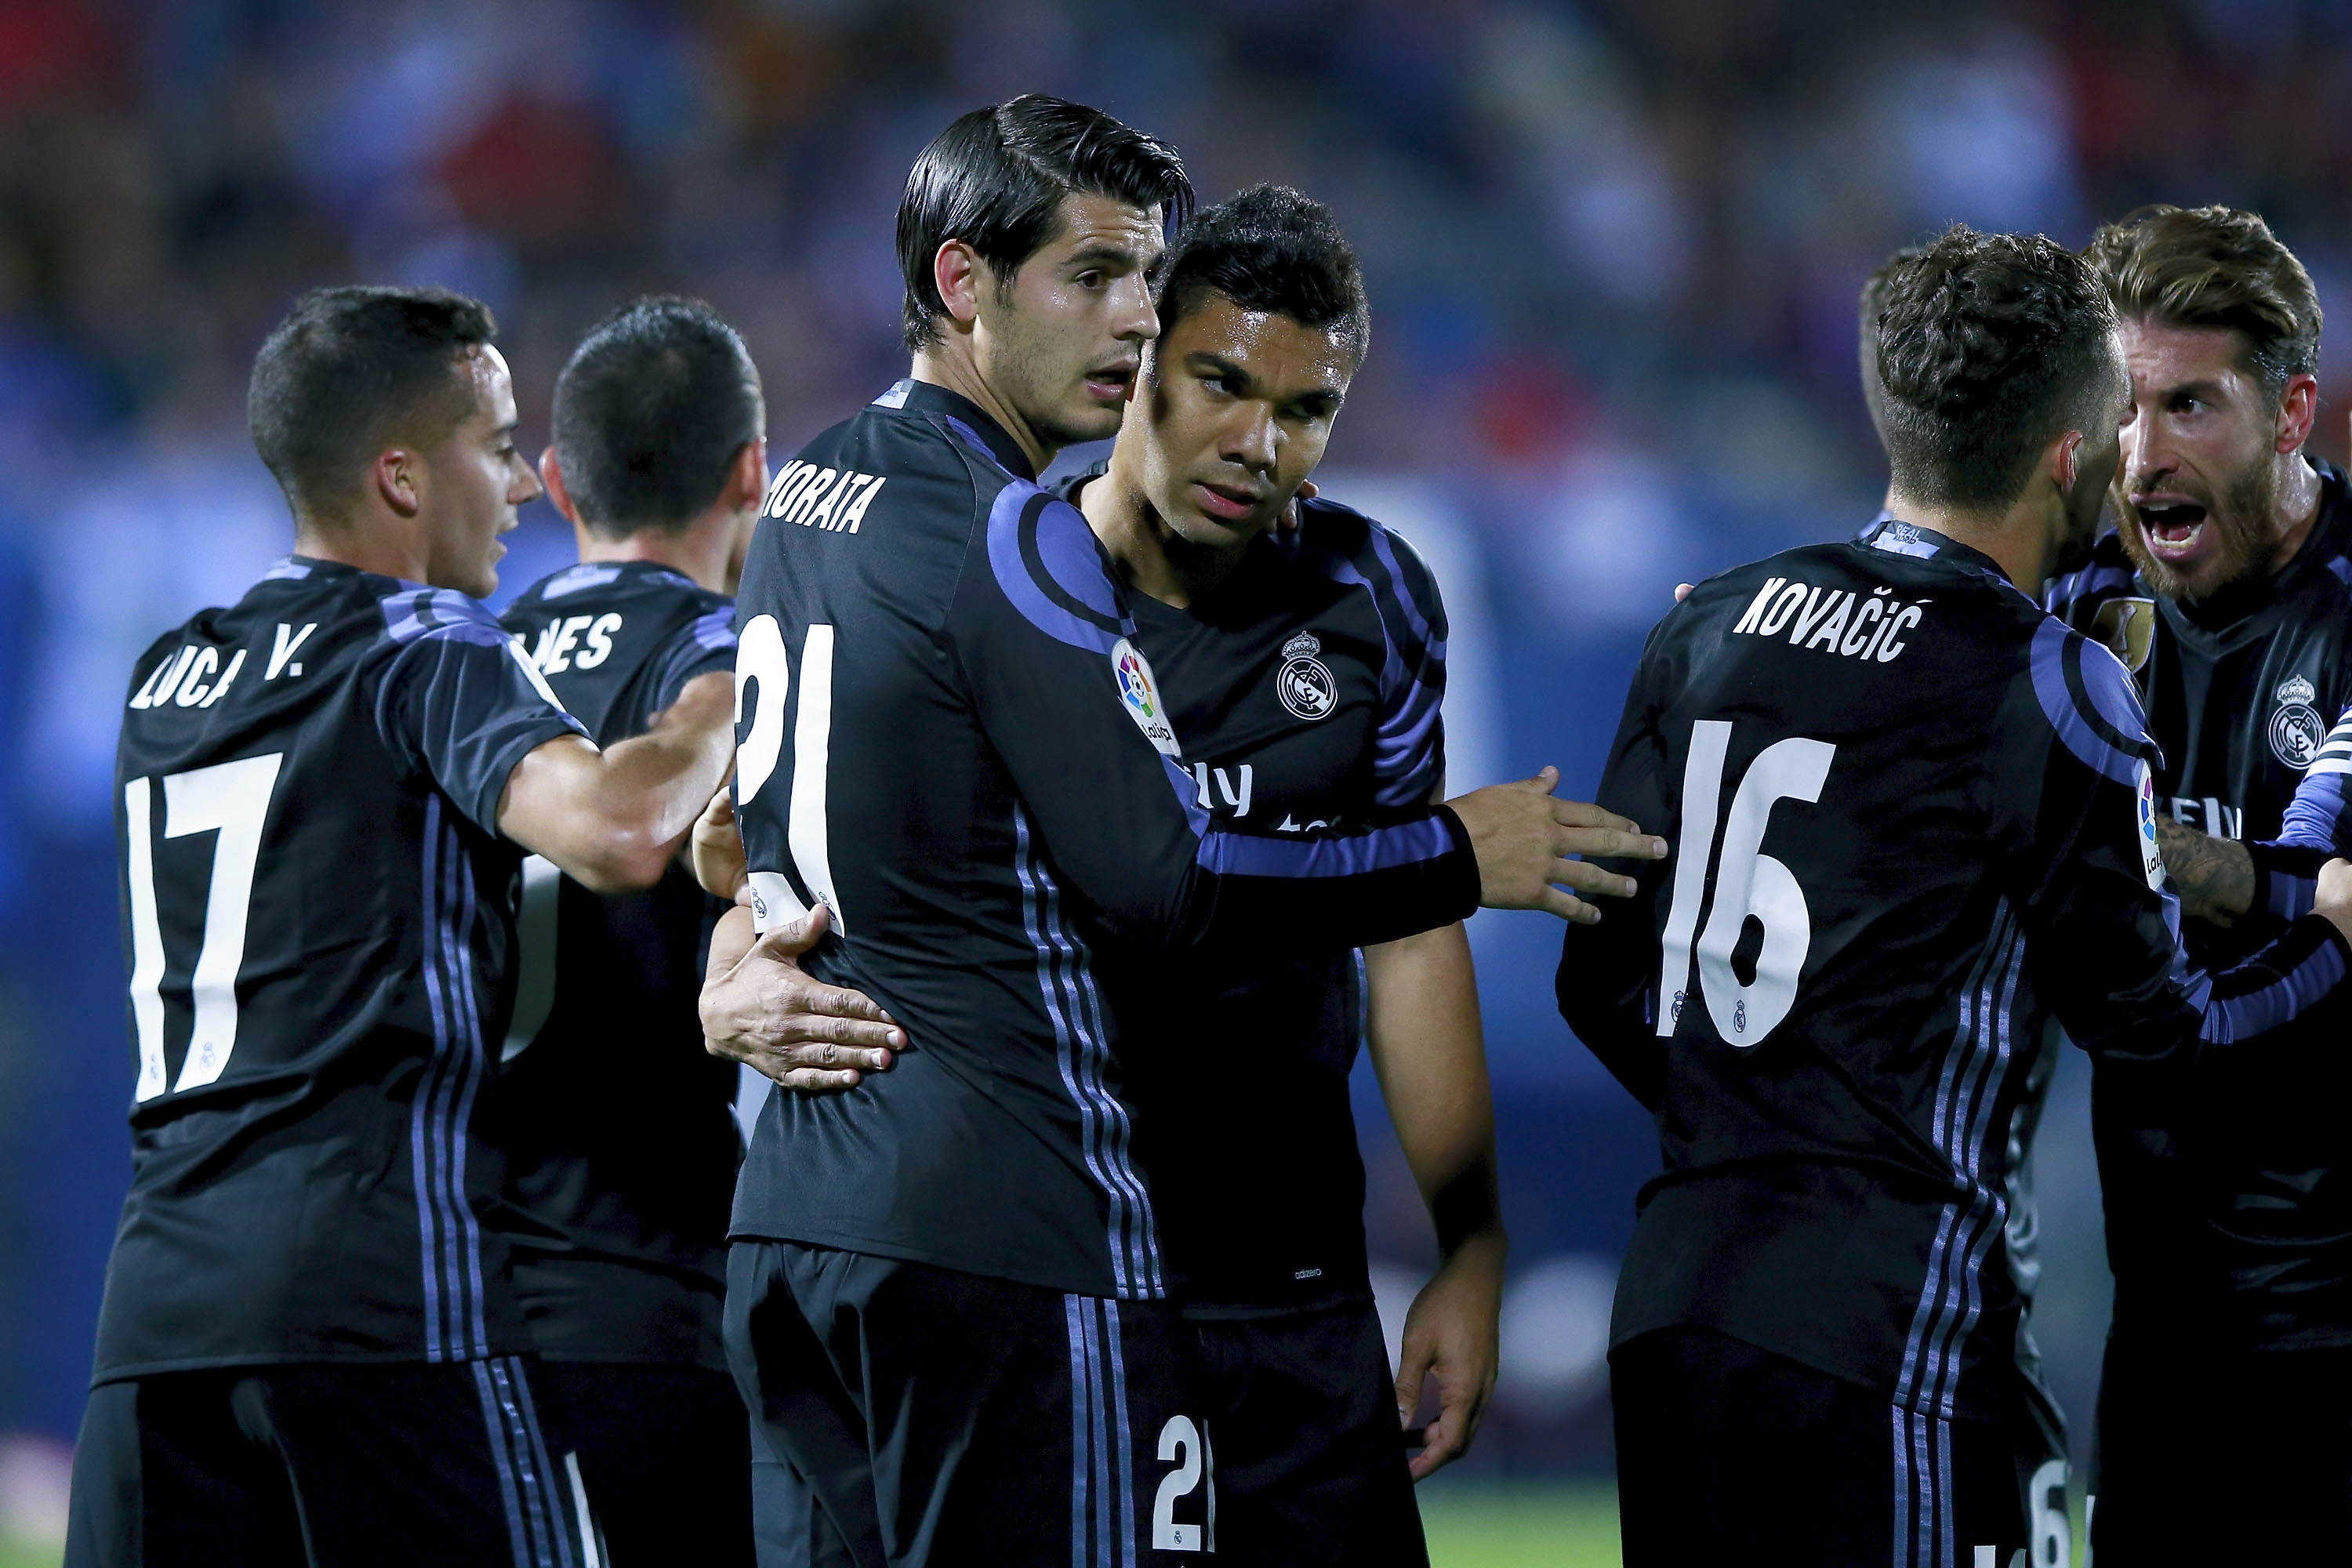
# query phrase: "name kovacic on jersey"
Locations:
[[1835, 620]]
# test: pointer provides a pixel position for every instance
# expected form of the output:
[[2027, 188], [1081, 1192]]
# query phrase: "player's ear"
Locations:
[[2298, 411], [550, 473], [747, 480], [958, 274], [2067, 456], [399, 480]]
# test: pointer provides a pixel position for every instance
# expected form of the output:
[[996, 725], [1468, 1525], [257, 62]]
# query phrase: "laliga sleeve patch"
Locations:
[[1140, 694], [2151, 855]]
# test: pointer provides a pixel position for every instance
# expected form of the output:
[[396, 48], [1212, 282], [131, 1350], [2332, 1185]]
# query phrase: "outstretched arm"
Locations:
[[611, 819], [2214, 877], [1430, 1058]]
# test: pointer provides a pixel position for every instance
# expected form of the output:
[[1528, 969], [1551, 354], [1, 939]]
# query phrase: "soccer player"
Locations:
[[1913, 828], [618, 1130], [310, 1350], [947, 1297], [1303, 674], [2225, 591]]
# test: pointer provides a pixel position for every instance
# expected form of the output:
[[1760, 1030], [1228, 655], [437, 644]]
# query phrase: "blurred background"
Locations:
[[1613, 249]]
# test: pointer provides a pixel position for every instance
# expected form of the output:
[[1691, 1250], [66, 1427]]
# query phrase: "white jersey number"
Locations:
[[1749, 885], [231, 799], [762, 666], [1187, 1445]]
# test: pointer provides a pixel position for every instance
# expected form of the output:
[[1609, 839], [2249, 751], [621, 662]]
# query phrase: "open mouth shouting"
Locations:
[[2175, 526]]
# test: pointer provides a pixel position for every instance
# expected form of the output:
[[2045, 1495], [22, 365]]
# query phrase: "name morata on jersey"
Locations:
[[318, 910], [949, 735]]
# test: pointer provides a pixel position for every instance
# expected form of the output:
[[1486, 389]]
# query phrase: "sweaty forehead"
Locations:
[[492, 386], [1276, 349], [2161, 355], [1090, 222]]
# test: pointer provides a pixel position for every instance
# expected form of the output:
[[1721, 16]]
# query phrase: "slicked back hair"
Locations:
[[2214, 266], [997, 179], [650, 413], [1991, 346], [1270, 249], [352, 370], [1874, 305]]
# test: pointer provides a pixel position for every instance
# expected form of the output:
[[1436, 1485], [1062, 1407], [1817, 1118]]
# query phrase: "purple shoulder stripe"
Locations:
[[416, 613], [2113, 702]]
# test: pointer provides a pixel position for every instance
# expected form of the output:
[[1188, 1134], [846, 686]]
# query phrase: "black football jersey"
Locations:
[[617, 1126], [1913, 830], [318, 914], [949, 735], [1306, 692], [2240, 691]]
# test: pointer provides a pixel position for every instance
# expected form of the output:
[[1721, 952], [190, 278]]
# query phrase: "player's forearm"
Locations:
[[2214, 877], [613, 820], [1430, 1053]]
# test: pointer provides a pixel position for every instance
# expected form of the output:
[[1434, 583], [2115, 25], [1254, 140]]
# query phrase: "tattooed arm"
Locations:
[[2214, 877]]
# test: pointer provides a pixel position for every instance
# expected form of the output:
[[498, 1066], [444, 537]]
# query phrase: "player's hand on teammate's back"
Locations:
[[718, 846], [758, 1008], [1523, 836], [2334, 896]]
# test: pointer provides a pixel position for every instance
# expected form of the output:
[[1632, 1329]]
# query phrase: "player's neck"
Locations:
[[2296, 509], [385, 553], [1151, 556], [949, 363], [2017, 541], [702, 549]]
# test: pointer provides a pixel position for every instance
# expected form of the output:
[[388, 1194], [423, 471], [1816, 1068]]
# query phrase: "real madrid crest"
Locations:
[[2297, 731], [2128, 628], [1304, 683]]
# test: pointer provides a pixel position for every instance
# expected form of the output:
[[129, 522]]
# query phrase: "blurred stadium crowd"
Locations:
[[1613, 250]]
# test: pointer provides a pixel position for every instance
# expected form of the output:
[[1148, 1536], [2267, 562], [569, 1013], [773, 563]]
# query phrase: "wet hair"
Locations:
[[1873, 304], [1991, 346], [650, 413], [997, 179], [1270, 249], [352, 370], [2214, 266]]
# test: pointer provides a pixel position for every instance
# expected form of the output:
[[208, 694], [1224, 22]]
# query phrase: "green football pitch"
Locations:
[[1472, 1525]]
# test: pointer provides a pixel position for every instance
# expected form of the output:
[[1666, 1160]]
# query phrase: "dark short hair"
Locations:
[[1991, 347], [650, 413], [996, 178], [2214, 266], [1273, 249], [351, 370], [1873, 305]]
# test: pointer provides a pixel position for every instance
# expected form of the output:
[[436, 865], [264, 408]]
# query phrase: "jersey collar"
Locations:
[[927, 398], [1892, 535]]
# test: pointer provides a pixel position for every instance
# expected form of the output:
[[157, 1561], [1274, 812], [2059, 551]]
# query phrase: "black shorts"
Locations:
[[2222, 1458], [663, 1453], [322, 1465], [1310, 1458], [937, 1416], [1727, 1452]]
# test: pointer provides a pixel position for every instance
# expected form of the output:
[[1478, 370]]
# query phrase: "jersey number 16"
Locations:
[[1749, 886]]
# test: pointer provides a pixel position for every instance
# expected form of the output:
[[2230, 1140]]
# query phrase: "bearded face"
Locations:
[[2196, 491], [2190, 544]]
